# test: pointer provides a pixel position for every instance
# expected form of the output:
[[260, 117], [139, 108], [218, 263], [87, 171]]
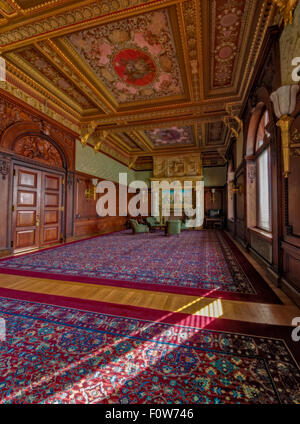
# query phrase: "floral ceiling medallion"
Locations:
[[134, 67]]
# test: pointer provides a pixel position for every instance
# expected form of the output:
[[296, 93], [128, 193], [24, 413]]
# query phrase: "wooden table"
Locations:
[[210, 222]]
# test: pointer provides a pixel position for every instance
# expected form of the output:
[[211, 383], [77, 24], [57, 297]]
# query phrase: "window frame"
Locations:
[[258, 153]]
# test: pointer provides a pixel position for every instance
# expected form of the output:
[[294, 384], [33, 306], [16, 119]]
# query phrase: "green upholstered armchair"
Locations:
[[173, 227], [138, 228], [183, 224], [151, 221]]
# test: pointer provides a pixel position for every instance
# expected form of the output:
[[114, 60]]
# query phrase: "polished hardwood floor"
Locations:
[[203, 306]]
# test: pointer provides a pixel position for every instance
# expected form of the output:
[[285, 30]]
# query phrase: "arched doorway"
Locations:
[[39, 167]]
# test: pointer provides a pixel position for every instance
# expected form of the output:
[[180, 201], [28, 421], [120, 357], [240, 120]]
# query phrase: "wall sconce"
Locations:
[[91, 192], [284, 101], [235, 189], [213, 195]]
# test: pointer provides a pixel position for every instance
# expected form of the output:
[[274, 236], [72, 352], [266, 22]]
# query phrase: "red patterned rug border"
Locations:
[[167, 317]]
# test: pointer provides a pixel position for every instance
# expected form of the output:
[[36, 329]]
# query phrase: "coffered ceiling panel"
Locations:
[[228, 23], [135, 59], [216, 133]]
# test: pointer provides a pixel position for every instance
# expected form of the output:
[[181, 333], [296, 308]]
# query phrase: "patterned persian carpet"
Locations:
[[56, 354], [196, 263]]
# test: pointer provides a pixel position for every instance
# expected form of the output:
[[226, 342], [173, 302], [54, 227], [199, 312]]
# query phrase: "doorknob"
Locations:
[[37, 221]]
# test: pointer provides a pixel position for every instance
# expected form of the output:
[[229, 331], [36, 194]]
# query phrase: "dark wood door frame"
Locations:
[[35, 166]]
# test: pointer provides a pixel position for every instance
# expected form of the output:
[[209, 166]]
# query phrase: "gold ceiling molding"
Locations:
[[286, 10], [20, 63], [20, 94], [193, 27], [259, 31], [75, 18], [27, 90], [71, 55], [53, 54], [125, 142], [204, 112], [8, 9], [153, 125]]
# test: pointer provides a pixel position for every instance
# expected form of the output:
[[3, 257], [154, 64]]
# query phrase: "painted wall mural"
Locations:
[[171, 136], [228, 18], [41, 64], [134, 58]]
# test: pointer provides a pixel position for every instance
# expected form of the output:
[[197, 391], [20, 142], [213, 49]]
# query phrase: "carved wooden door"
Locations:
[[50, 212], [37, 200]]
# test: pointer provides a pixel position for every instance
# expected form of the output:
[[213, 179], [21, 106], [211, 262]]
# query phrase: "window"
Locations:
[[263, 175]]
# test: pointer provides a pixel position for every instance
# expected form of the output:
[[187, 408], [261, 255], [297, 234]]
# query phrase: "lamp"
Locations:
[[284, 101], [91, 192], [213, 195]]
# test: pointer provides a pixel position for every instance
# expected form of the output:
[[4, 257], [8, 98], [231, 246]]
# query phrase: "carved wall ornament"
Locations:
[[36, 148], [168, 167], [4, 168], [295, 152], [251, 173], [234, 123], [295, 136]]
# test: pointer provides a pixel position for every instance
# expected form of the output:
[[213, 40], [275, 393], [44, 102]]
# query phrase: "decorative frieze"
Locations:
[[172, 166]]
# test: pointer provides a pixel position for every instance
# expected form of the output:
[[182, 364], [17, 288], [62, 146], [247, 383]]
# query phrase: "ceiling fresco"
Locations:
[[134, 58], [159, 77], [171, 136], [215, 133]]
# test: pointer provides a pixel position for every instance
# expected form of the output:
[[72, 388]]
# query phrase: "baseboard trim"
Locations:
[[5, 252], [290, 291], [258, 257]]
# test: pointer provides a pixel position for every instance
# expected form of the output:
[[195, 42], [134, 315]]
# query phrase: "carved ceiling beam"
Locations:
[[166, 123], [73, 18], [132, 162], [183, 36], [50, 51], [39, 78], [69, 55], [118, 141], [29, 90], [256, 32], [143, 140]]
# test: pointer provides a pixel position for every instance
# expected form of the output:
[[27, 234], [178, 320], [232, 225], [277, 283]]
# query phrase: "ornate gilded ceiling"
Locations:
[[157, 76]]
